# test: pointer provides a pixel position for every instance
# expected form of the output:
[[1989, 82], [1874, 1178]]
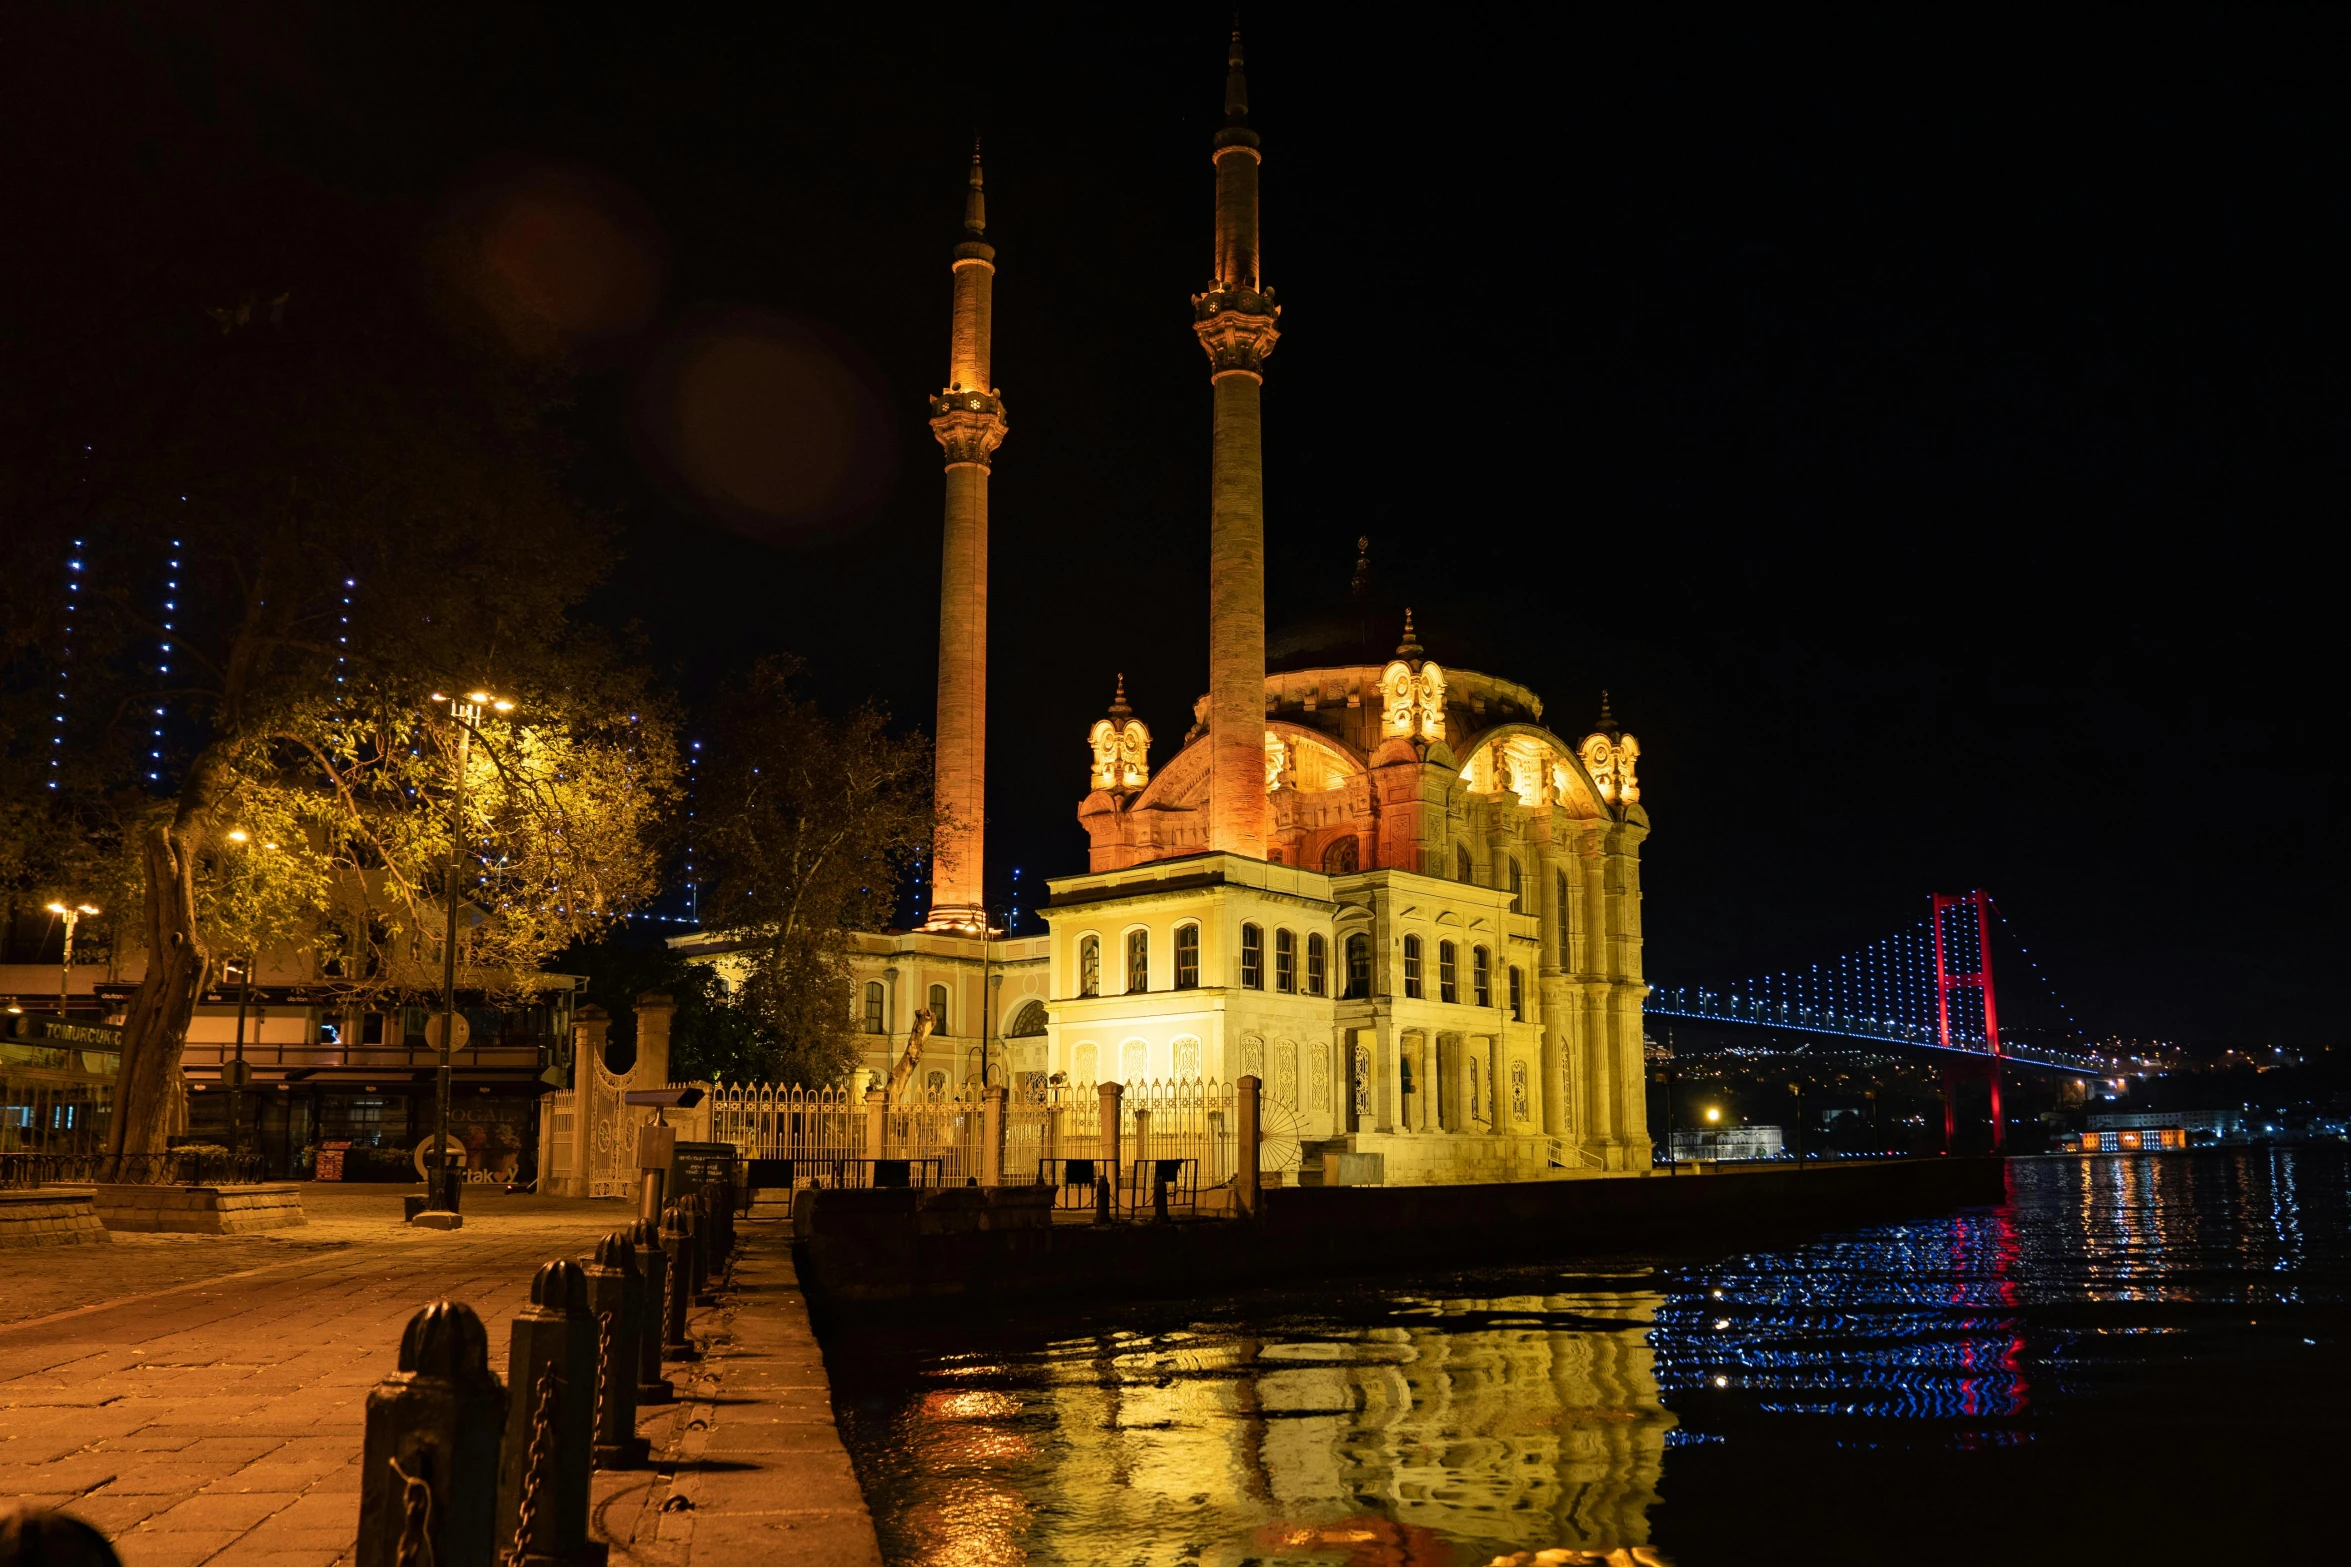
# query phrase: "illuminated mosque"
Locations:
[[1383, 887]]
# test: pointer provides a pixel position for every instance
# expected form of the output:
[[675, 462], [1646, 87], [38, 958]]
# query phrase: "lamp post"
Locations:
[[465, 712], [72, 914]]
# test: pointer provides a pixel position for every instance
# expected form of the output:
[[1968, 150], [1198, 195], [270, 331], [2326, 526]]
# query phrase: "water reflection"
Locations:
[[2056, 1344]]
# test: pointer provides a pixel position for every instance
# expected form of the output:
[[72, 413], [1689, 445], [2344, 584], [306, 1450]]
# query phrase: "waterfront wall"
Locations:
[[876, 1248]]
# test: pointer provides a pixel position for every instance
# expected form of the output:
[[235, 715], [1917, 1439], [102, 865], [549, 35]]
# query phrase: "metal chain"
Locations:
[[535, 1463], [416, 1518], [604, 1368]]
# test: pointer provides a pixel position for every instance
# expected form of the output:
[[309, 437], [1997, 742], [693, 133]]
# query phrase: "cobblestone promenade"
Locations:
[[200, 1398]]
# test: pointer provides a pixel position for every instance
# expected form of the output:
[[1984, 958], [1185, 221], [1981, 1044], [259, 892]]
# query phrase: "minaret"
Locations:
[[1236, 321], [968, 419]]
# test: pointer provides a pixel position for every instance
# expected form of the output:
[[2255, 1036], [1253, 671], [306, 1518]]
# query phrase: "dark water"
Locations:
[[2134, 1356]]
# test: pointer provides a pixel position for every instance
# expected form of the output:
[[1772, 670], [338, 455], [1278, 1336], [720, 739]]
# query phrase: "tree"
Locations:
[[808, 825], [272, 471]]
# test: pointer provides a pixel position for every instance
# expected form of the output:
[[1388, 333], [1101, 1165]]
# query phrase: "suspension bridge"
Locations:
[[1926, 988]]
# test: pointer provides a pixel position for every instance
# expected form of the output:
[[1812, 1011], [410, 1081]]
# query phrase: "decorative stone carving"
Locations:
[[1238, 327], [1610, 756], [969, 424], [1122, 747], [1280, 763]]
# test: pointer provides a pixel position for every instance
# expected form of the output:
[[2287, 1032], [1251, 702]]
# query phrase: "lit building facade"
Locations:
[[1380, 885]]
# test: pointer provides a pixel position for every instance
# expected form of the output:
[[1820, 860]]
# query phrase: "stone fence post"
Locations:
[[1106, 1173], [428, 1485], [1245, 1184], [992, 1106], [653, 1263], [550, 1423], [677, 1238], [655, 1010], [876, 1127], [616, 1300]]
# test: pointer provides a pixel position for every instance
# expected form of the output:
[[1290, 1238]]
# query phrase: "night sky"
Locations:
[[1926, 438]]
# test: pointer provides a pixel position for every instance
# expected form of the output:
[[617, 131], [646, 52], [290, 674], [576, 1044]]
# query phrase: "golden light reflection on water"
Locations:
[[1503, 1419]]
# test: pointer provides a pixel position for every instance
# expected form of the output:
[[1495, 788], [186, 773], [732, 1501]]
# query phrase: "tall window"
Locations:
[[1481, 982], [1340, 858], [939, 1010], [1285, 961], [1315, 958], [1518, 994], [1559, 915], [1187, 957], [1089, 965], [1138, 961], [1448, 978], [1412, 967], [1252, 957], [1461, 866], [1358, 967], [876, 1020], [1517, 888]]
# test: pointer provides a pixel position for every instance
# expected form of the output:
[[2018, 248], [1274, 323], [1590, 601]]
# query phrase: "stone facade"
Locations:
[[50, 1216], [201, 1210]]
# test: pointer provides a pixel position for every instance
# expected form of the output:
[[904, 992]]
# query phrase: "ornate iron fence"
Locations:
[[176, 1167]]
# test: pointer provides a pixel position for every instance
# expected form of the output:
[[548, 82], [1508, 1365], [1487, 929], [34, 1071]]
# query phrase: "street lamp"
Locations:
[[465, 712], [72, 914]]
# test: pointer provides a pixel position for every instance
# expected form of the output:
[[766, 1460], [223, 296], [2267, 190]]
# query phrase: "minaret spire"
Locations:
[[968, 419], [975, 201], [1236, 321]]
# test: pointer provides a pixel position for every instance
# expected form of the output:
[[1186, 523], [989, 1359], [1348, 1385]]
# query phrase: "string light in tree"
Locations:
[[73, 590]]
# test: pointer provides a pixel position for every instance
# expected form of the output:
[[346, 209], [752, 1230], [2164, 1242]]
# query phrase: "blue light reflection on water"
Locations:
[[2128, 1339]]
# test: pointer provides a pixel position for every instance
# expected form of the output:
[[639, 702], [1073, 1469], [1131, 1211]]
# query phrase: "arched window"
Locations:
[[1462, 870], [1285, 961], [1085, 1063], [1089, 965], [1517, 887], [1481, 980], [939, 1010], [1412, 967], [1028, 1022], [1315, 958], [876, 1019], [1252, 957], [1559, 915], [1138, 962], [1134, 1062], [1187, 957], [1448, 978], [1358, 967], [1518, 994], [1341, 857]]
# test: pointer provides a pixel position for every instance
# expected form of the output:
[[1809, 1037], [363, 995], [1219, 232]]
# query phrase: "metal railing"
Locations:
[[175, 1167]]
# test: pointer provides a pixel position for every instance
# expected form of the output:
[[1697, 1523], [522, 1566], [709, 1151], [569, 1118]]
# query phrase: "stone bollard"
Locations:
[[1106, 1162], [550, 1425], [705, 1226], [428, 1485], [678, 1241], [653, 1262], [616, 1299]]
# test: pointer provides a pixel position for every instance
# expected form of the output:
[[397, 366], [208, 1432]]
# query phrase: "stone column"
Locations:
[[1245, 1183], [968, 418], [655, 1009], [876, 1127], [992, 1104], [588, 1030], [1236, 320], [1106, 1163]]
